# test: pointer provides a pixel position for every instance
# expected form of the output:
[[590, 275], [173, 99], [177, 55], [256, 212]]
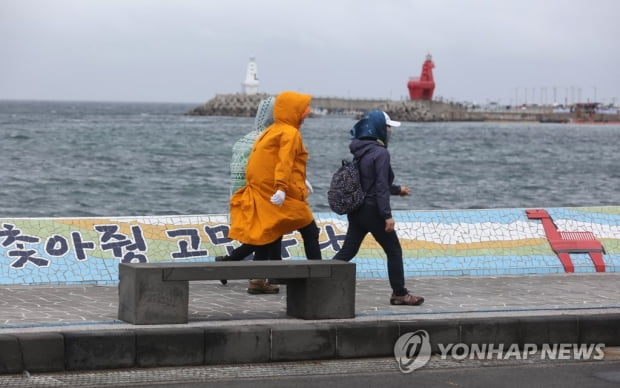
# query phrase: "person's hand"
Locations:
[[278, 197], [309, 186], [404, 191], [389, 225]]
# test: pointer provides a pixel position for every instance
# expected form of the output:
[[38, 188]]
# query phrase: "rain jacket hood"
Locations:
[[290, 107], [371, 126]]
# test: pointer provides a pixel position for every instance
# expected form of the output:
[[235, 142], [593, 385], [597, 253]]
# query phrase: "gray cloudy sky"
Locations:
[[189, 50]]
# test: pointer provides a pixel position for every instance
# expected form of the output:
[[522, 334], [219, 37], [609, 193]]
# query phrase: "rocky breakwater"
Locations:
[[242, 105], [236, 105], [425, 111]]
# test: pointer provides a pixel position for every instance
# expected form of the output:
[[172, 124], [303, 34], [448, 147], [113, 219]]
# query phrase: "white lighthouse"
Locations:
[[250, 86]]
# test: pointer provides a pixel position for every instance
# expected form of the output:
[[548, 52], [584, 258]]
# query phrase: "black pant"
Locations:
[[310, 235], [368, 220], [241, 252]]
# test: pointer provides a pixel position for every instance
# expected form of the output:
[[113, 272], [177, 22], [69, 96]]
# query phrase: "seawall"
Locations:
[[35, 251], [241, 105], [245, 105]]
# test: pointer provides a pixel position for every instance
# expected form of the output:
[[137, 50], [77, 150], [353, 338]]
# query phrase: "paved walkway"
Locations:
[[54, 308]]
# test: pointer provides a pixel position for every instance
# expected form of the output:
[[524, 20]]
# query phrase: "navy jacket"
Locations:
[[376, 174]]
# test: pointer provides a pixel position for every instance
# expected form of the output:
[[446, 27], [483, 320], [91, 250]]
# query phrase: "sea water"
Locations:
[[83, 159]]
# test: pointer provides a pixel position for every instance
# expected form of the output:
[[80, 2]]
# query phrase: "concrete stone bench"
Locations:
[[158, 293]]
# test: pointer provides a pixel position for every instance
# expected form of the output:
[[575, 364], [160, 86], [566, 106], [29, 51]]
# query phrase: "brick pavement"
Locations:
[[34, 308]]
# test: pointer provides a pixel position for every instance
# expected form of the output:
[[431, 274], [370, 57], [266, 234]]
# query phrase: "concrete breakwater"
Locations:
[[242, 105]]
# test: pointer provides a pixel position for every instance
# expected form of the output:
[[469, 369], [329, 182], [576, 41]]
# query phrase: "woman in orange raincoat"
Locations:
[[273, 201]]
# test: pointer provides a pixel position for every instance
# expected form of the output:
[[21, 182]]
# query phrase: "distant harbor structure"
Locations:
[[245, 105], [420, 107], [250, 85]]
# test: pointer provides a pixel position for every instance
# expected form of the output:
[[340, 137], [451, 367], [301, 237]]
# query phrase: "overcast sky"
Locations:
[[189, 50]]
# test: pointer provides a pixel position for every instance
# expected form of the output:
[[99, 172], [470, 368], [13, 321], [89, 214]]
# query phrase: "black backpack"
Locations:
[[345, 194]]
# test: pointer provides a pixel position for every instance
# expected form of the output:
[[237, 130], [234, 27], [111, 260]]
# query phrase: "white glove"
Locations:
[[309, 186], [278, 198]]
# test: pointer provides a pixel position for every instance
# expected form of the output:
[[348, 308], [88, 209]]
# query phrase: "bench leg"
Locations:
[[145, 299], [323, 298]]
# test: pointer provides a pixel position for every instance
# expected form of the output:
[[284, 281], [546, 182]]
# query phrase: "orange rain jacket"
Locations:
[[277, 162]]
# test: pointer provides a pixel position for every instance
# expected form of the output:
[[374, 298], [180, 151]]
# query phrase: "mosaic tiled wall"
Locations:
[[435, 243]]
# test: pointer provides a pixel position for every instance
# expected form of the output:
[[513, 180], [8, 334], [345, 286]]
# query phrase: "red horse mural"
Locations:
[[565, 243]]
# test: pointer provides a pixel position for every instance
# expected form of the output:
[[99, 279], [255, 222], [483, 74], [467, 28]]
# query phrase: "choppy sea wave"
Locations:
[[74, 159]]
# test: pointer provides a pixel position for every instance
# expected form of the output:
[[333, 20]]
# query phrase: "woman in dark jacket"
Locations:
[[371, 135]]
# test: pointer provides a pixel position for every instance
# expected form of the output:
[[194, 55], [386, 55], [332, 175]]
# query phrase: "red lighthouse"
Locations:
[[422, 88]]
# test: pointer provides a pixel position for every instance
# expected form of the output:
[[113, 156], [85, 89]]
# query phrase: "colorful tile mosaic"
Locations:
[[435, 243]]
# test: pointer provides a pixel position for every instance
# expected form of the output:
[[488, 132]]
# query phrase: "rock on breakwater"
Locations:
[[236, 105]]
